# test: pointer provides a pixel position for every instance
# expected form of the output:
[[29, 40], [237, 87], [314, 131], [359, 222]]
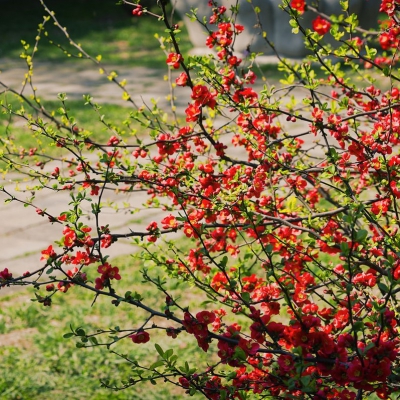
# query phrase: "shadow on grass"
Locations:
[[101, 27]]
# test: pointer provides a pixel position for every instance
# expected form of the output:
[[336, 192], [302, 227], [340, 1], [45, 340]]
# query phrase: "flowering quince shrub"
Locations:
[[288, 196]]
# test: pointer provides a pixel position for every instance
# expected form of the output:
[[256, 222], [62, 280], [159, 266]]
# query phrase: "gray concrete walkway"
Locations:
[[82, 78], [24, 233]]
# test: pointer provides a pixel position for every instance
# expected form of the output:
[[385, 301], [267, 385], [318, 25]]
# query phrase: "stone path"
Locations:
[[81, 78], [24, 234]]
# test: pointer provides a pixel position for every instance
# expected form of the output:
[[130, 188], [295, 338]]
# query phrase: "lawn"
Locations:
[[104, 28], [101, 27], [15, 130], [38, 363]]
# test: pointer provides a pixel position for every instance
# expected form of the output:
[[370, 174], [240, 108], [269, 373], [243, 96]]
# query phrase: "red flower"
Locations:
[[192, 113], [63, 286], [321, 26], [388, 6], [69, 237], [5, 275], [184, 382], [182, 79], [62, 217], [190, 230], [298, 5], [140, 337], [239, 28], [81, 258], [106, 241], [72, 272], [172, 332], [381, 207], [219, 281], [385, 40], [365, 279], [169, 222], [234, 61], [241, 95], [48, 253], [152, 227], [396, 271], [50, 287], [138, 11], [355, 371], [341, 318], [99, 284], [113, 141], [249, 347], [56, 172], [205, 317], [174, 60], [395, 189], [108, 272], [201, 93], [285, 363]]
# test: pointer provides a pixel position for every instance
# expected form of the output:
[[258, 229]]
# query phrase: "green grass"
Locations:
[[101, 27], [38, 363], [15, 131]]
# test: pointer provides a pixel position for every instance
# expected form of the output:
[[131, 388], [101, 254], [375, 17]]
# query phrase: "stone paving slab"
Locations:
[[24, 233], [78, 79]]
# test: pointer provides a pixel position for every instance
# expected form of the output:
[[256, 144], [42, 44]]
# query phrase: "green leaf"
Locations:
[[157, 364], [240, 354], [358, 326], [383, 287], [368, 347], [80, 332], [159, 350], [344, 4], [269, 248], [168, 353], [223, 262], [93, 339], [246, 297], [386, 70], [68, 335], [333, 154], [361, 235], [344, 248]]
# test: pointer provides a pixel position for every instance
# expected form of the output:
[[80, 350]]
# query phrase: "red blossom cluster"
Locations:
[[389, 7], [138, 10], [5, 275], [288, 214], [108, 273], [199, 327]]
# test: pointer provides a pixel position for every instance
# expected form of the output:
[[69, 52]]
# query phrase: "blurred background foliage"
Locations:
[[101, 27]]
